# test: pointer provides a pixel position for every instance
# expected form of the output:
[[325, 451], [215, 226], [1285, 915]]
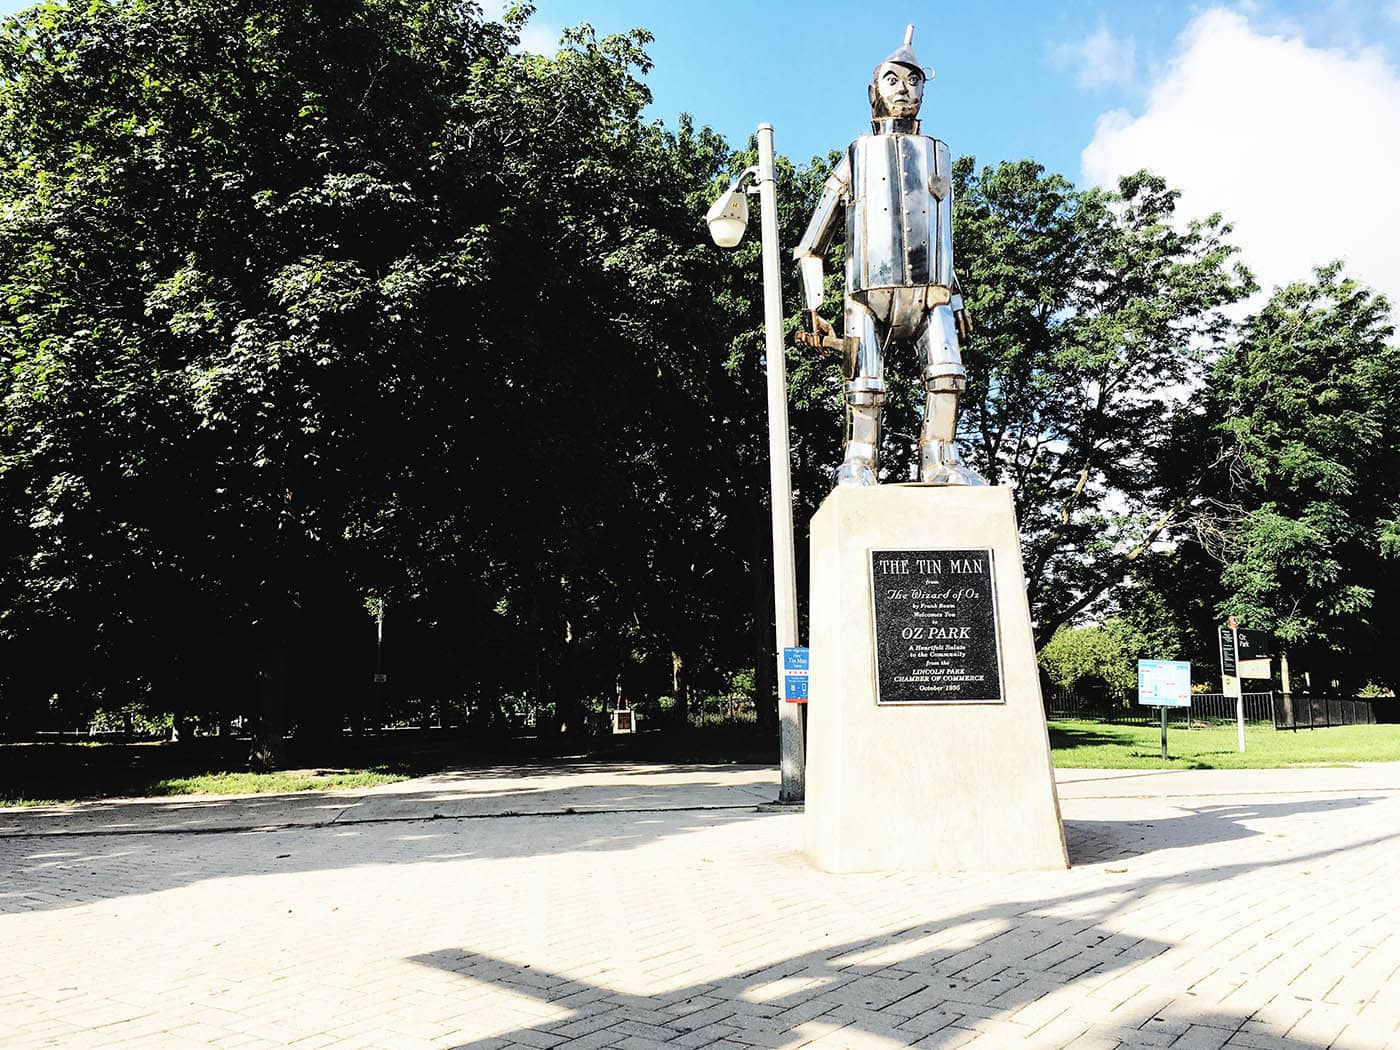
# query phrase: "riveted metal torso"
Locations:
[[899, 255]]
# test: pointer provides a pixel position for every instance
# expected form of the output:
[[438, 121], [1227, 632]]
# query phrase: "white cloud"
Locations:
[[1100, 59], [1296, 145], [538, 38]]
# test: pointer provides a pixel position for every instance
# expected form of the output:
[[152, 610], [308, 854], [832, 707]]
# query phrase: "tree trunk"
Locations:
[[269, 749], [680, 691]]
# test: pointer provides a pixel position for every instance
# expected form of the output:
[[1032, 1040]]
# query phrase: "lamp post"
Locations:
[[727, 219]]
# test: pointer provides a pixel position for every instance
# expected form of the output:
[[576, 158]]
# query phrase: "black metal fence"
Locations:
[[1282, 711], [1206, 708], [1319, 712]]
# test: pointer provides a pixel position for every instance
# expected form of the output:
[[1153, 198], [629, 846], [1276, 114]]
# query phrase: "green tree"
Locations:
[[1100, 654], [1311, 535], [1097, 317], [307, 302], [1171, 599]]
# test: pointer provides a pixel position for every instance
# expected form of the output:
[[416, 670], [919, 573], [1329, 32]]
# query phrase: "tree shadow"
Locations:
[[1066, 738], [44, 872], [457, 794], [1093, 841], [88, 770], [999, 971]]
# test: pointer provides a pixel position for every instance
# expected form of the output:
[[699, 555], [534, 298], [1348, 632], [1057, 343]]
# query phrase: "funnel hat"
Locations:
[[904, 54]]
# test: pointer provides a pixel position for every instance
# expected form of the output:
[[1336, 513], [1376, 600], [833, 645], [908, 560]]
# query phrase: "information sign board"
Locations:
[[797, 664], [1164, 683], [1229, 662], [1253, 656]]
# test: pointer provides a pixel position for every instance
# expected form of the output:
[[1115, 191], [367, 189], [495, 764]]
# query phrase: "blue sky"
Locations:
[[1012, 78], [1003, 84], [1283, 114]]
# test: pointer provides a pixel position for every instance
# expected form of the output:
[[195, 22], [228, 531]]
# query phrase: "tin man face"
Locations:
[[896, 91]]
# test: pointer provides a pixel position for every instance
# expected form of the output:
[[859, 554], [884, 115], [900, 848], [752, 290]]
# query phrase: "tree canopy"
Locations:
[[311, 308], [1306, 400], [308, 303], [1098, 315]]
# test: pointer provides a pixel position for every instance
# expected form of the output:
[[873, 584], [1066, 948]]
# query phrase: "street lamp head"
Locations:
[[729, 216]]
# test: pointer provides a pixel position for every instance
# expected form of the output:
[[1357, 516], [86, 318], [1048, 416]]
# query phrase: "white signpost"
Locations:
[[1164, 684], [1230, 684]]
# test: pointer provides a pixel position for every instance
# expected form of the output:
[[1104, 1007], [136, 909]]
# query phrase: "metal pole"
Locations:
[[790, 743], [378, 670], [1239, 700], [1287, 689], [1164, 732]]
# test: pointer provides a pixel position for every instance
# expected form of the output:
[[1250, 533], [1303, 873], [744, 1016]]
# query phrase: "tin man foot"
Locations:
[[940, 464], [939, 461], [860, 462], [944, 380]]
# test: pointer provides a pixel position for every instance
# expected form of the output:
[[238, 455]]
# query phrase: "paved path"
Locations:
[[507, 790], [641, 907]]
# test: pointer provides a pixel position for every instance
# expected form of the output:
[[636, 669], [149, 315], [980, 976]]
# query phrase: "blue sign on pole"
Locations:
[[797, 659], [796, 664]]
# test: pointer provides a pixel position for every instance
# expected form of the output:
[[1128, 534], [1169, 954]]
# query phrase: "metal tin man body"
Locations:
[[895, 186]]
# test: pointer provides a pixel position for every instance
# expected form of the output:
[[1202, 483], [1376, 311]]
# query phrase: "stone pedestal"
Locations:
[[939, 759]]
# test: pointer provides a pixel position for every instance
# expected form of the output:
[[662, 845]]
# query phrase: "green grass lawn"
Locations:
[[69, 771], [257, 783], [48, 773], [233, 784], [56, 772], [1095, 745]]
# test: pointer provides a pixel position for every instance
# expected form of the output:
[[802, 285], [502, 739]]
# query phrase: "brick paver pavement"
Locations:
[[1203, 911]]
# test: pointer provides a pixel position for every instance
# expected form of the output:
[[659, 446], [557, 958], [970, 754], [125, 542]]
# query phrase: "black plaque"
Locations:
[[1229, 665], [936, 627], [1254, 645]]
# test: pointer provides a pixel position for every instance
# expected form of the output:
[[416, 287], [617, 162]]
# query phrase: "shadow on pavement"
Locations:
[[458, 794], [995, 971], [45, 872], [41, 872], [1091, 841]]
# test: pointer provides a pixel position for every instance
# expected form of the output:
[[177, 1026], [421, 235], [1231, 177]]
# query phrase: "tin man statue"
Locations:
[[895, 186]]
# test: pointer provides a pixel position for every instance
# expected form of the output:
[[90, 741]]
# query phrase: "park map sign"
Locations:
[[1164, 683], [935, 627]]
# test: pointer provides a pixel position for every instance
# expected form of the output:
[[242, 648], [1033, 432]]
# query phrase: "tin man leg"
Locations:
[[865, 395], [944, 379]]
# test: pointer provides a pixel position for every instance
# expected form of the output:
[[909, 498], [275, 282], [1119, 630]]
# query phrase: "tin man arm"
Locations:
[[817, 239]]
